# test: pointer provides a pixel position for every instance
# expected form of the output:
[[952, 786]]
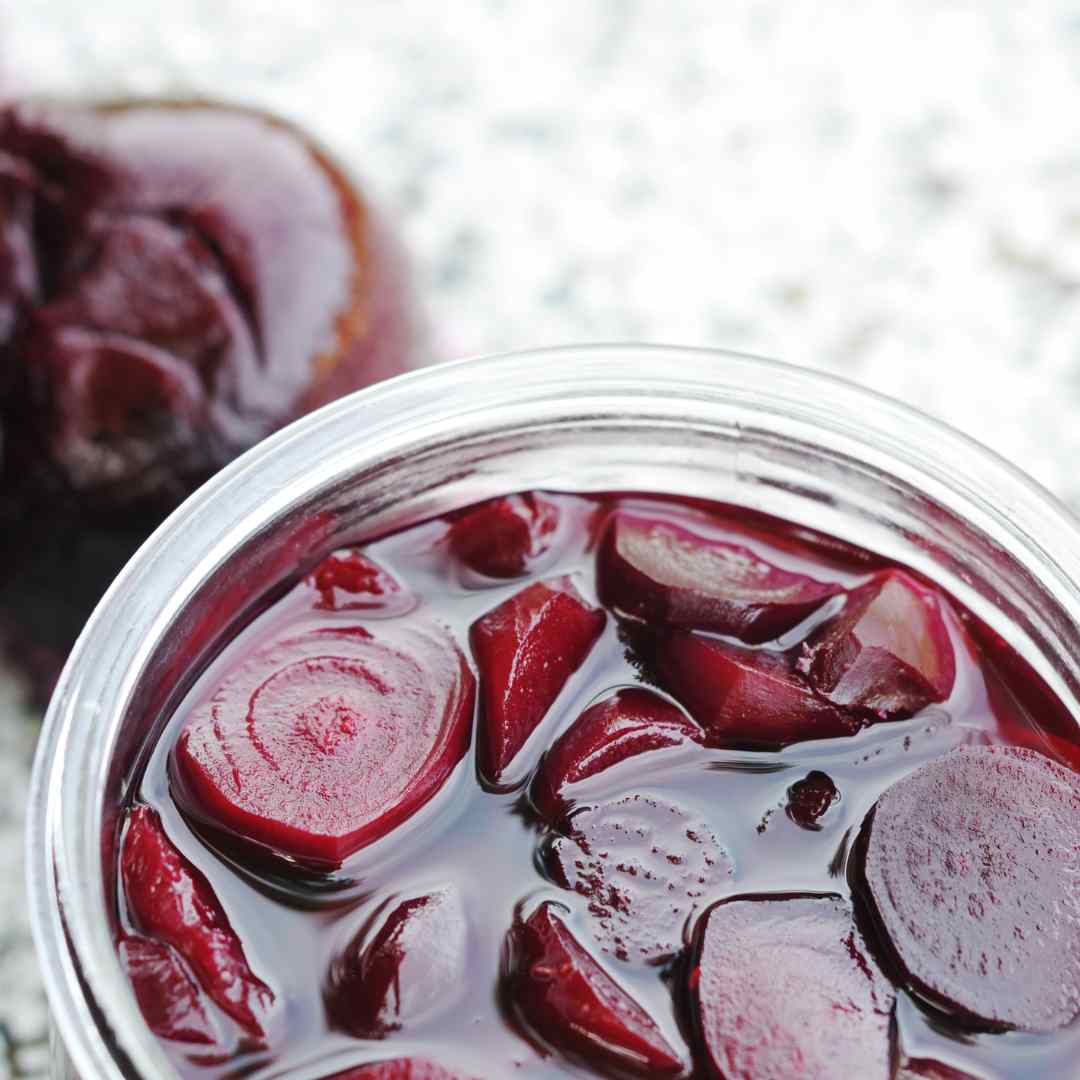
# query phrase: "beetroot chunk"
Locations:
[[784, 987], [628, 723], [410, 967], [809, 799], [746, 698], [169, 998], [172, 902], [662, 573], [320, 744], [526, 649], [500, 538], [645, 867], [562, 993], [887, 652], [349, 581], [972, 865], [399, 1069]]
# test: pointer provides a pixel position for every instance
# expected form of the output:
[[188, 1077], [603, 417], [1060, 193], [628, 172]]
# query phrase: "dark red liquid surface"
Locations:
[[767, 823]]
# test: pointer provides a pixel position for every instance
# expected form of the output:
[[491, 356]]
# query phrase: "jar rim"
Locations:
[[82, 975]]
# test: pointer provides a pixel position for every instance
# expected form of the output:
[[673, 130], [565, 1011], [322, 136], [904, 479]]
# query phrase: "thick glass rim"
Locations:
[[84, 983]]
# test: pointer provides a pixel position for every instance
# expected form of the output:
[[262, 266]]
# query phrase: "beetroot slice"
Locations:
[[564, 996], [408, 969], [645, 867], [172, 902], [348, 580], [628, 723], [323, 743], [746, 698], [526, 649], [928, 1069], [169, 998], [662, 573], [972, 865], [784, 987], [887, 652], [399, 1069], [500, 538]]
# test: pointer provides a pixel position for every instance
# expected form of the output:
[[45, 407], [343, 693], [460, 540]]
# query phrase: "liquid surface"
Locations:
[[494, 853]]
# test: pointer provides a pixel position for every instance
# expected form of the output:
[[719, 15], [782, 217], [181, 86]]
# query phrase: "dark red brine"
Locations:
[[610, 786]]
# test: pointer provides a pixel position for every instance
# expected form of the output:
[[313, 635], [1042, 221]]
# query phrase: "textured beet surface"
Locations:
[[644, 866], [972, 866], [169, 998], [176, 281], [746, 698], [563, 994], [629, 723], [320, 744], [888, 651], [402, 970], [658, 571], [349, 581], [785, 988], [171, 902], [526, 649], [501, 538]]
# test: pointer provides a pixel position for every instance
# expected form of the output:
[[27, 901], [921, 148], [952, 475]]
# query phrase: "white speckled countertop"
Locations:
[[889, 190]]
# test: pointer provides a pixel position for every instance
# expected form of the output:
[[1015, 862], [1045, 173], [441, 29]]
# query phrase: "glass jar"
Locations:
[[791, 442]]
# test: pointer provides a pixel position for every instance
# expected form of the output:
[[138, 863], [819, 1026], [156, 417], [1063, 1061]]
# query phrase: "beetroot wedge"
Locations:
[[645, 867], [662, 573], [499, 539], [746, 698], [169, 998], [526, 649], [172, 902], [888, 652], [410, 967], [320, 744], [628, 723], [972, 865], [349, 581], [399, 1069], [563, 995], [784, 987]]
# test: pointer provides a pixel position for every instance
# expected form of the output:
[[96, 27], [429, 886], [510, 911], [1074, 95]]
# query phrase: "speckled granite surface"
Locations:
[[887, 190]]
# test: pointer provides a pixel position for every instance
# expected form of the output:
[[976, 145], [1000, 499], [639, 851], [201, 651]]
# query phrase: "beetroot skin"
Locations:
[[176, 282], [321, 744]]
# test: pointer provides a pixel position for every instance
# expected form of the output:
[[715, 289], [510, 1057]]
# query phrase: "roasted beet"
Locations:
[[887, 652], [746, 697], [176, 281], [169, 998], [562, 994], [628, 723], [658, 571], [322, 743], [404, 969], [809, 799], [784, 987], [644, 866], [971, 868], [526, 649], [170, 901], [501, 538]]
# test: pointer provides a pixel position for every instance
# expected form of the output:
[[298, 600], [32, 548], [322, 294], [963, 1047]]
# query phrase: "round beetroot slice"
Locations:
[[410, 967], [888, 651], [628, 723], [661, 572], [566, 997], [644, 866], [784, 987], [746, 697], [319, 745], [972, 865]]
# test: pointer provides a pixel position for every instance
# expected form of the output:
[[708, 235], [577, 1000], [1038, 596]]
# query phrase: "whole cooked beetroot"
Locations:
[[177, 280]]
